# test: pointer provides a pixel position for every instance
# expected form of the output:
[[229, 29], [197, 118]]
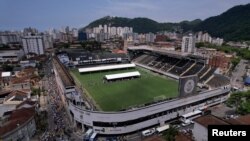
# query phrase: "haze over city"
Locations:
[[45, 14]]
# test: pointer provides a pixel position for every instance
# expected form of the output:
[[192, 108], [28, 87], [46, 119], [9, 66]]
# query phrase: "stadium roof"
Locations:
[[122, 75], [160, 50], [109, 67], [6, 74], [63, 73]]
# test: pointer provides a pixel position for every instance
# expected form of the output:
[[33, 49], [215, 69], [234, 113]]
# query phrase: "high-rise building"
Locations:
[[30, 31], [48, 41], [82, 36], [105, 28], [199, 37], [75, 32], [33, 44], [9, 37], [150, 37], [188, 44], [113, 30]]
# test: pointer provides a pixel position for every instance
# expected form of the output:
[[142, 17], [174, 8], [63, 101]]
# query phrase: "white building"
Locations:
[[150, 37], [48, 41], [206, 38], [18, 125], [9, 37], [113, 31], [217, 41], [188, 44], [105, 28], [75, 32], [33, 44], [11, 55], [200, 131]]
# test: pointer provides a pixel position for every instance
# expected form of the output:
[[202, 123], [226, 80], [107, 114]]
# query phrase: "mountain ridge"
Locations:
[[233, 24]]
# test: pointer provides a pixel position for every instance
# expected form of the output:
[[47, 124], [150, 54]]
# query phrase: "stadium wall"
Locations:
[[122, 122], [62, 91]]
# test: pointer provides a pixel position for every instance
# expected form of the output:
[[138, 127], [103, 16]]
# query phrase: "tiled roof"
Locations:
[[210, 120], [243, 120], [17, 118], [18, 95], [16, 80], [29, 102]]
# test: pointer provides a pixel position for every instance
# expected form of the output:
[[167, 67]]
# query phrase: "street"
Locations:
[[59, 127]]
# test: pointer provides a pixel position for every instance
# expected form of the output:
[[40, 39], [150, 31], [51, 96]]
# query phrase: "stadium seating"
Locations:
[[140, 58], [207, 75], [181, 66], [147, 59], [203, 71], [218, 81], [194, 70]]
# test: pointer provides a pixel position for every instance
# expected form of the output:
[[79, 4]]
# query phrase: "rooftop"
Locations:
[[159, 50], [107, 67], [17, 118], [29, 102], [6, 74], [210, 120], [16, 80], [122, 75], [241, 120], [18, 95]]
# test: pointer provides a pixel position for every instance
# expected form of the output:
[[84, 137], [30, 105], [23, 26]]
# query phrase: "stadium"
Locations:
[[114, 94], [124, 93]]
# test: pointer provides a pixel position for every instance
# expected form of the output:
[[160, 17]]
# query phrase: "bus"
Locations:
[[93, 137], [186, 119], [162, 128], [87, 134]]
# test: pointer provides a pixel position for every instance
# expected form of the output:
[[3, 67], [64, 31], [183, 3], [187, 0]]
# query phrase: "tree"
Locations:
[[170, 134], [235, 100], [66, 45], [235, 62], [7, 67], [198, 45]]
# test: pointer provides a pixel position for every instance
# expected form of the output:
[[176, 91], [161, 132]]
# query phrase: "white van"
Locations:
[[148, 132]]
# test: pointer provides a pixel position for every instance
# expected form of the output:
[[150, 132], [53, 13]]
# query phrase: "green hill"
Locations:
[[142, 25], [234, 24]]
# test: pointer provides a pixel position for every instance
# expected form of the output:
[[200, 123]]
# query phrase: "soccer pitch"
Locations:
[[114, 96]]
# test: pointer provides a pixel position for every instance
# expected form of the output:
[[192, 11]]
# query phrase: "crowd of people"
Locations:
[[56, 112]]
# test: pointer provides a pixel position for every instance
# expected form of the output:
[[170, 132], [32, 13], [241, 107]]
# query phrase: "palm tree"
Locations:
[[170, 134]]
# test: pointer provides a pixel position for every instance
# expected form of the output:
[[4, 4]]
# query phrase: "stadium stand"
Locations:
[[218, 81], [85, 58], [176, 66], [140, 58], [147, 59], [181, 66], [207, 75], [203, 71], [194, 70]]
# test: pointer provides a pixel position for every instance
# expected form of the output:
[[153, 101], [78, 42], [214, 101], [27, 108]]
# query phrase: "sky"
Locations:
[[45, 14]]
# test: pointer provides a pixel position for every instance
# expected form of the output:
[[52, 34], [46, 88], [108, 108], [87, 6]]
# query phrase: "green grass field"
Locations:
[[114, 96]]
